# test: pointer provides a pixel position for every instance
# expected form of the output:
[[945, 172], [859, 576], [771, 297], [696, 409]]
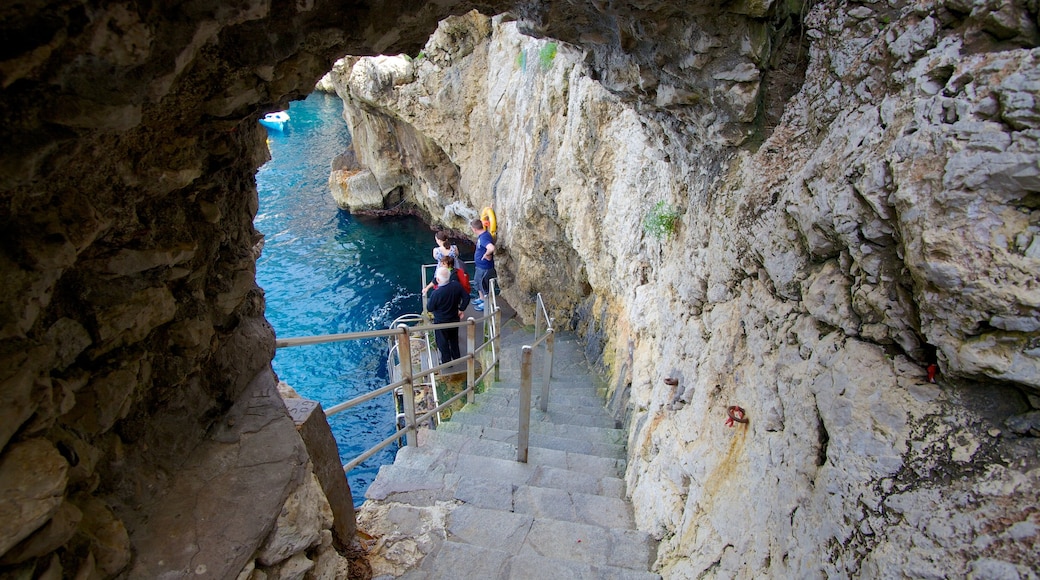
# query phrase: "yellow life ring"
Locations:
[[487, 215]]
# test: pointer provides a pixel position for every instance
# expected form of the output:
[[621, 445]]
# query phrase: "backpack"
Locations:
[[463, 279]]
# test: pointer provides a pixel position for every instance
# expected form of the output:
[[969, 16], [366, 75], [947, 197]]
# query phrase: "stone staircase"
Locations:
[[478, 513]]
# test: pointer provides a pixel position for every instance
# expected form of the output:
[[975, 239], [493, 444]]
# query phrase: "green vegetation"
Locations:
[[421, 55], [662, 221], [521, 61], [546, 55]]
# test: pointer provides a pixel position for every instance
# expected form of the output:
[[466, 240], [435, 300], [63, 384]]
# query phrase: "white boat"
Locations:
[[276, 120]]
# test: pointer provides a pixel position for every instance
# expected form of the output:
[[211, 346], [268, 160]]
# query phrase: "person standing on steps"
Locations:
[[446, 248], [448, 254], [485, 261], [447, 303], [448, 263]]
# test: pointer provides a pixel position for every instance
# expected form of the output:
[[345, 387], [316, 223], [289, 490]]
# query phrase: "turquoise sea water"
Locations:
[[324, 271]]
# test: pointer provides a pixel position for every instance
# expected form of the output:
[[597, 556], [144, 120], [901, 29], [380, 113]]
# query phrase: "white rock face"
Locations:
[[889, 220]]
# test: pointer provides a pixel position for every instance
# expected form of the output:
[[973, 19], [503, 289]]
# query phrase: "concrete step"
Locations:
[[486, 413], [418, 488], [555, 504], [561, 394], [558, 386], [550, 442], [582, 381], [581, 398], [549, 538], [562, 366], [480, 540], [555, 414], [439, 469], [568, 444], [460, 440], [565, 361], [511, 422], [500, 408]]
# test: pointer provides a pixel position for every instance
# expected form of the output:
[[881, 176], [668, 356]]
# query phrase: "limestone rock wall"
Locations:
[[141, 434], [854, 192]]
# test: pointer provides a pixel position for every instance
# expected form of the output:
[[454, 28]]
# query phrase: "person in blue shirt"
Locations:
[[447, 303], [484, 258]]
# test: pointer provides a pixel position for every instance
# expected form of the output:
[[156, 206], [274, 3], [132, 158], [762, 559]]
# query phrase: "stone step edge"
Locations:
[[452, 493], [593, 407], [619, 436], [468, 422], [564, 401], [534, 443], [577, 419], [449, 483], [563, 567], [538, 456], [544, 441]]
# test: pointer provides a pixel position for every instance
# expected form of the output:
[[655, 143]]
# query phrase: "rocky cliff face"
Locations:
[[794, 209]]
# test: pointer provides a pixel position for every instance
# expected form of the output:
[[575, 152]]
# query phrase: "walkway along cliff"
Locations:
[[795, 208], [804, 215]]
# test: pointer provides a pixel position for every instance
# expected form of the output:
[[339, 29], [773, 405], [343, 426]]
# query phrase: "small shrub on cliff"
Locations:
[[662, 221], [546, 55]]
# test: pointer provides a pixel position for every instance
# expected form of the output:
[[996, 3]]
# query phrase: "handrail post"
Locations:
[[523, 433], [424, 283], [404, 350], [550, 346], [471, 364], [543, 401], [537, 316], [496, 343]]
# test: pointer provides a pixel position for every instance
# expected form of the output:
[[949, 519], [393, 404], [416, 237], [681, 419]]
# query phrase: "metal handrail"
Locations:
[[548, 338], [394, 349], [403, 334]]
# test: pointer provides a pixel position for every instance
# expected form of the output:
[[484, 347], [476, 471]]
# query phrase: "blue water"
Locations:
[[324, 271]]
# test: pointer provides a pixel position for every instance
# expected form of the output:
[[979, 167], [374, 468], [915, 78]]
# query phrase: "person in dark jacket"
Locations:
[[447, 303]]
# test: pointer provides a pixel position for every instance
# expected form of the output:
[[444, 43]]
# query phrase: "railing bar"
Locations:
[[433, 411], [379, 446], [496, 326], [540, 340], [471, 362], [443, 366], [386, 389], [486, 372], [410, 429], [325, 338], [543, 401], [362, 398], [483, 346]]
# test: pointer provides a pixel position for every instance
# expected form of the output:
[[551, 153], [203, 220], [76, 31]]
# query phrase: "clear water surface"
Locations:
[[324, 271]]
